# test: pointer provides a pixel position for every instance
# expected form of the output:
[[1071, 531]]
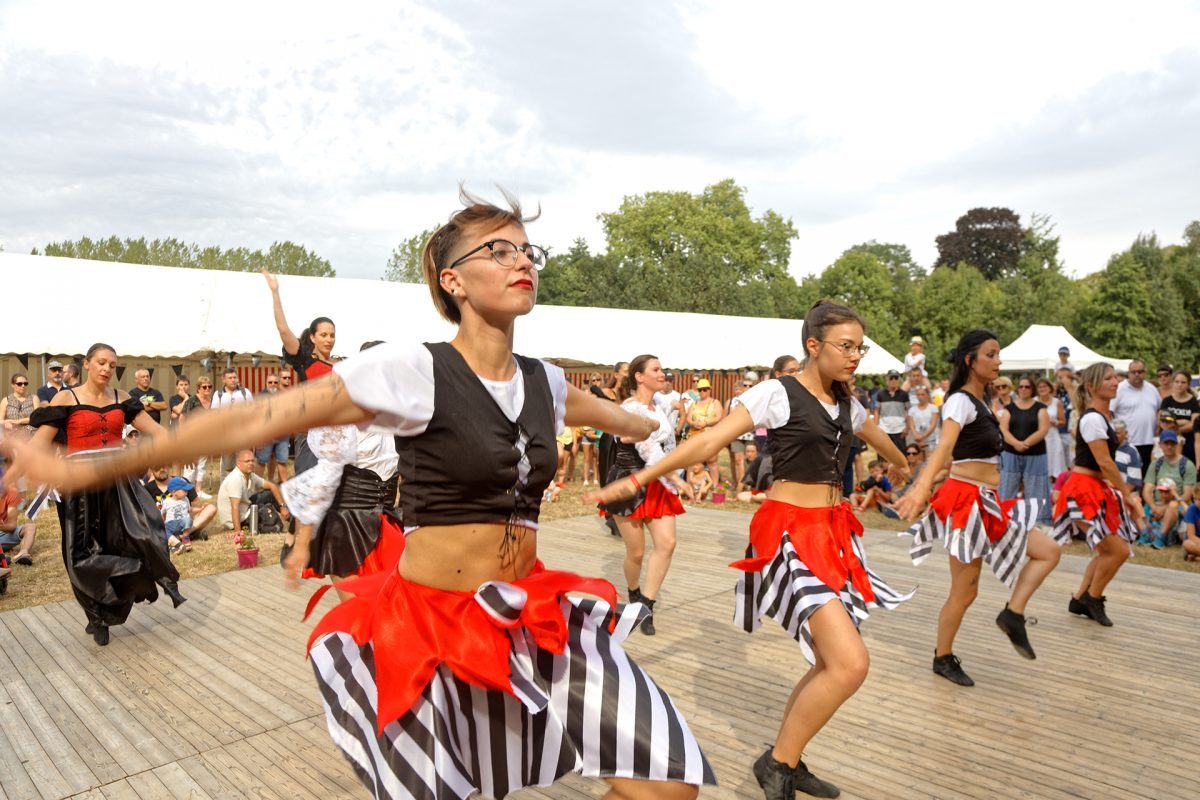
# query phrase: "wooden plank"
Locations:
[[180, 784], [149, 786]]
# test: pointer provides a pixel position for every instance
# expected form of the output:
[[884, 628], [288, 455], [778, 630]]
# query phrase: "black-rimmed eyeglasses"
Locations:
[[505, 252]]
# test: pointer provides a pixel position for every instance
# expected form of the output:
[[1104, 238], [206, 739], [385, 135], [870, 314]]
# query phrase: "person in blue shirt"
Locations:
[[1191, 543]]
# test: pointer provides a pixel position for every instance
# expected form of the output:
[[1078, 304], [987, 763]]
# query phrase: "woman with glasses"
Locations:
[[805, 566], [967, 514], [1002, 391], [1024, 464], [468, 669]]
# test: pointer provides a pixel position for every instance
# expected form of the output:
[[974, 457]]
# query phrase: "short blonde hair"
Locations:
[[476, 215]]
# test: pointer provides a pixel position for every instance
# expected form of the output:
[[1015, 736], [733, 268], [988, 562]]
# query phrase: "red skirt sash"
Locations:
[[1094, 498], [955, 499]]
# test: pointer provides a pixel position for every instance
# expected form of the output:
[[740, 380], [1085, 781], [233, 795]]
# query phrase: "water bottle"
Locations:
[[254, 520]]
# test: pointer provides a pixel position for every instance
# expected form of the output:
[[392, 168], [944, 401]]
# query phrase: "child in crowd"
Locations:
[[874, 490], [177, 515], [700, 480]]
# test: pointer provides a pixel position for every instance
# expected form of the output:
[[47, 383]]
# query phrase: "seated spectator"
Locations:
[[758, 476], [202, 513], [1169, 484], [1189, 540], [915, 457], [1129, 462], [177, 515], [700, 481], [12, 532], [242, 489], [874, 490]]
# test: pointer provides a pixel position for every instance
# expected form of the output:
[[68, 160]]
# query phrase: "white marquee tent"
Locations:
[[167, 312], [1037, 350]]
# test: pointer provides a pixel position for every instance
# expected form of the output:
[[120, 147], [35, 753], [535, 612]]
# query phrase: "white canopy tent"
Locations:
[[1037, 350], [168, 312]]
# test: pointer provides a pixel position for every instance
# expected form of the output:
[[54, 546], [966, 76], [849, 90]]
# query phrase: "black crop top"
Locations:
[[472, 464], [811, 447], [980, 438], [1084, 457]]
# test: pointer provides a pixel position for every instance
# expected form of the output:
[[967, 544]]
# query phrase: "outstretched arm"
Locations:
[[913, 502], [291, 344], [586, 410]]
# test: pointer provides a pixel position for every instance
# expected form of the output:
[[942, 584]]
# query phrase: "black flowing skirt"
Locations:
[[115, 549], [350, 529]]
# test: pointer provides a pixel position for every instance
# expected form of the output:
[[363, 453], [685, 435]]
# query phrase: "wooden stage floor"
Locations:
[[217, 701]]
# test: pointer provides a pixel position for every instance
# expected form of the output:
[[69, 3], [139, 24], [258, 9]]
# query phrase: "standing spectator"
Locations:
[[737, 448], [285, 378], [1181, 406], [1163, 374], [784, 365], [176, 402], [151, 398], [1002, 389], [200, 401], [230, 395], [891, 410], [271, 460], [54, 383], [1169, 486], [1056, 460], [1023, 467], [16, 408], [922, 428], [915, 357], [916, 378], [1064, 390], [671, 401], [71, 374], [1064, 360], [939, 392], [702, 415], [242, 489], [1137, 404]]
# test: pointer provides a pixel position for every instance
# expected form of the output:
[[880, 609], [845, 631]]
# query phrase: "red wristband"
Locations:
[[636, 485]]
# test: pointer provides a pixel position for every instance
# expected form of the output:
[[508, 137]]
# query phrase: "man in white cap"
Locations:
[[1064, 359]]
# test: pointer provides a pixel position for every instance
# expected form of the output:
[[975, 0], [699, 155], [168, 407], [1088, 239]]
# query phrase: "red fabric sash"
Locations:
[[954, 501], [821, 537], [1094, 497], [414, 628]]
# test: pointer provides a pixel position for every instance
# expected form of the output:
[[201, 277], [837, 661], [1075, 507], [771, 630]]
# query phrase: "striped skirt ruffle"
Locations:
[[600, 715], [1091, 501], [786, 591], [963, 526]]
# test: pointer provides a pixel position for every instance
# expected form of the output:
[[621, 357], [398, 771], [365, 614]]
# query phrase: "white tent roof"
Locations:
[[1037, 349], [168, 312]]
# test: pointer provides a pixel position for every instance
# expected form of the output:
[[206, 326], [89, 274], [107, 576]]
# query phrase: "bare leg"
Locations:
[[634, 537], [842, 665], [633, 789], [964, 586], [1110, 555], [1088, 573], [28, 534], [1191, 546], [204, 516], [1043, 558], [662, 531], [714, 471]]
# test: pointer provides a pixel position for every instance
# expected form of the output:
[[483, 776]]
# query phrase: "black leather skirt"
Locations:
[[350, 529]]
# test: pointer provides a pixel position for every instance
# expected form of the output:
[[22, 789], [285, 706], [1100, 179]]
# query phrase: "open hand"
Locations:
[[272, 281], [912, 504]]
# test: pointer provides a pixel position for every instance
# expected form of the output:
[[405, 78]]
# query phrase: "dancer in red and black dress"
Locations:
[[805, 566], [468, 669], [655, 507], [1095, 499], [967, 515], [114, 545]]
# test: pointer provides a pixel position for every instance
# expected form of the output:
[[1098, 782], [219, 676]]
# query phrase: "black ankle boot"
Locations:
[[810, 784], [778, 780], [1076, 606], [635, 596], [648, 622], [1013, 625], [1095, 609], [171, 589], [100, 634], [950, 668]]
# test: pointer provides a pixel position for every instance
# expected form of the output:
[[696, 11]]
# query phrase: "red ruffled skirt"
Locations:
[[660, 502], [1090, 503]]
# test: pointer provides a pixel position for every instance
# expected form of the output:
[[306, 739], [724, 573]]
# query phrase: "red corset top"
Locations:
[[92, 428], [316, 369]]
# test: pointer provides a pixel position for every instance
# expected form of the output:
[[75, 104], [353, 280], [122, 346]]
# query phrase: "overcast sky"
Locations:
[[347, 126]]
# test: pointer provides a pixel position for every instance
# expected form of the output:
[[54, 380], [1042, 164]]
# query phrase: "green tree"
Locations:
[[1037, 291], [989, 239], [905, 274], [1115, 321], [950, 303], [287, 258], [404, 264], [860, 281]]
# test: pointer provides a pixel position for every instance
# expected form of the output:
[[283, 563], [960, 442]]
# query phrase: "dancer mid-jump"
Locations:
[[805, 566]]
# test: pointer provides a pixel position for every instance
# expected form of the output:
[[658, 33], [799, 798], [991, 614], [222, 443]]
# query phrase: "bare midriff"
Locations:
[[806, 495], [976, 472], [458, 558], [1095, 473]]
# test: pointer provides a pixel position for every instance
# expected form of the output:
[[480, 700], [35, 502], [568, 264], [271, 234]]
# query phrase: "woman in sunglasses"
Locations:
[[16, 408], [967, 514], [1024, 463], [467, 668], [805, 566]]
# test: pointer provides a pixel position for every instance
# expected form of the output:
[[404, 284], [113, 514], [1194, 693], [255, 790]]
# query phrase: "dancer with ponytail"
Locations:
[[1095, 499], [967, 515], [656, 504], [805, 566], [468, 669]]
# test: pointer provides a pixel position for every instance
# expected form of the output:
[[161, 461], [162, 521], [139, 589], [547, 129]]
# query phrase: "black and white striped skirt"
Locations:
[[600, 715], [1091, 506], [786, 591]]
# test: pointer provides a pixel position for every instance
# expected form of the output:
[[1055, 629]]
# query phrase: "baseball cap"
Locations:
[[916, 340], [54, 365], [893, 374], [177, 483], [1166, 484], [703, 384], [1164, 367], [1169, 436], [1065, 349], [750, 375]]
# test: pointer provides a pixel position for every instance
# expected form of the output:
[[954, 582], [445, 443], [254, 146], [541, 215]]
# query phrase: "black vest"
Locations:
[[1023, 423], [1084, 457], [811, 447], [465, 467], [982, 437]]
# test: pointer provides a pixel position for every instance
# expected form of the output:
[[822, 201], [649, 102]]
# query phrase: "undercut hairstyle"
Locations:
[[824, 314], [477, 216], [628, 386]]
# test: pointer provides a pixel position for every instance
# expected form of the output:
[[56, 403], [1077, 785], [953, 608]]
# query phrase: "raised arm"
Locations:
[[585, 409], [291, 345]]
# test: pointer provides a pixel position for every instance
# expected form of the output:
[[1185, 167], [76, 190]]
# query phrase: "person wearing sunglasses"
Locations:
[[805, 566], [967, 514], [1138, 403], [701, 416], [195, 471], [1024, 463], [468, 624], [53, 385], [17, 407]]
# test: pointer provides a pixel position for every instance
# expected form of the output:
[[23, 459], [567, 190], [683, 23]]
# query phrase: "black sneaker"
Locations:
[[648, 622], [778, 781], [1076, 606], [810, 784], [950, 668], [1095, 609], [1013, 625]]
